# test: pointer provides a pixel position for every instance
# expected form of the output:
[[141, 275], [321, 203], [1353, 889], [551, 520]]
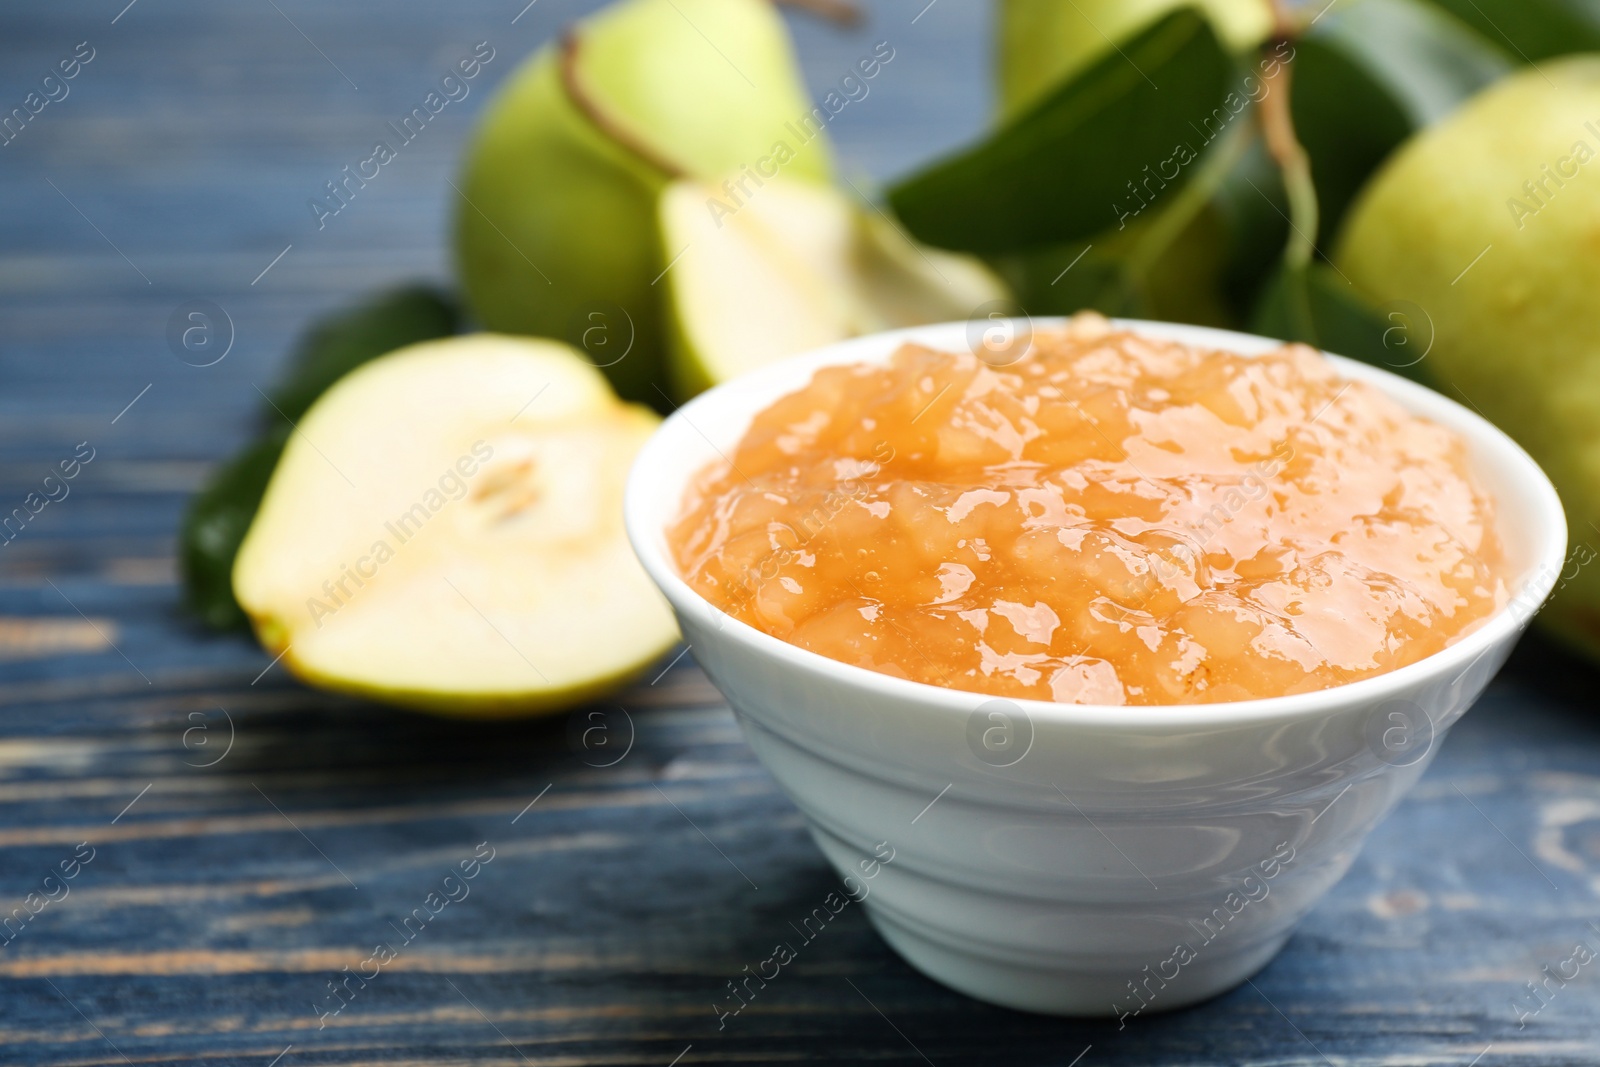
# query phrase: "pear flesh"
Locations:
[[444, 531], [796, 266], [1482, 232]]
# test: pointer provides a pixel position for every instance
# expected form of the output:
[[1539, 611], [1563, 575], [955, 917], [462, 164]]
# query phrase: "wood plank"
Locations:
[[219, 902]]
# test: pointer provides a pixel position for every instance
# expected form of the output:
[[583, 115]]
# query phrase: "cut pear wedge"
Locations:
[[793, 266], [444, 532]]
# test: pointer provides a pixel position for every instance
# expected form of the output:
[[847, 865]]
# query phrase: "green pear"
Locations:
[[1489, 222], [793, 267], [556, 220], [444, 532], [1043, 41]]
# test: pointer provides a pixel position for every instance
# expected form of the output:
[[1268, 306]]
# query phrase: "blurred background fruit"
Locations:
[[1490, 223], [556, 221], [796, 267], [1040, 42]]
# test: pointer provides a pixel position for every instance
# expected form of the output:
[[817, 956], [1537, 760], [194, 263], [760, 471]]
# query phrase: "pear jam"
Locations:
[[1110, 519]]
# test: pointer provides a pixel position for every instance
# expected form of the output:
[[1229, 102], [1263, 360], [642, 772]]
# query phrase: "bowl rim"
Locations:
[[646, 529]]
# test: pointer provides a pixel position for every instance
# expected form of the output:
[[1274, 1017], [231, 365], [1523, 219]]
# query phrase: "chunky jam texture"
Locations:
[[1108, 520]]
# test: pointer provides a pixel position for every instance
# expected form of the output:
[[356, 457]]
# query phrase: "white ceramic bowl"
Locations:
[[1084, 859]]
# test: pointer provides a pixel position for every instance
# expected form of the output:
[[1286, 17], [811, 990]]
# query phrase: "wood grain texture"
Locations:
[[230, 884]]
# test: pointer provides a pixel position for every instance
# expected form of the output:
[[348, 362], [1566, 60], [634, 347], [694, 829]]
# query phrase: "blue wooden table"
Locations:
[[203, 852]]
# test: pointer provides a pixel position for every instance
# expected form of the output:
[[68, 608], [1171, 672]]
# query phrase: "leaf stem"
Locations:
[[1167, 226], [1277, 128]]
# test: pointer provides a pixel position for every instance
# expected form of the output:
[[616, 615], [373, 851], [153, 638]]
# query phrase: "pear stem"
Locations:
[[1277, 127], [839, 12], [591, 110]]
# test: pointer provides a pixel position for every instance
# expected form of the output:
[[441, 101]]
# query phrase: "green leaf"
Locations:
[[220, 515], [215, 525], [1317, 306], [1429, 61], [1367, 76], [1109, 275], [339, 343], [1090, 154], [1284, 310], [1066, 278], [1532, 29]]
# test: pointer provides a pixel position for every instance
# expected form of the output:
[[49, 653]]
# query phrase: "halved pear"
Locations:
[[444, 532], [555, 217], [795, 265]]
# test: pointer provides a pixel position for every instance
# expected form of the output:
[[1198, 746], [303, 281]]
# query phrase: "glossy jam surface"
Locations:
[[1108, 520]]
